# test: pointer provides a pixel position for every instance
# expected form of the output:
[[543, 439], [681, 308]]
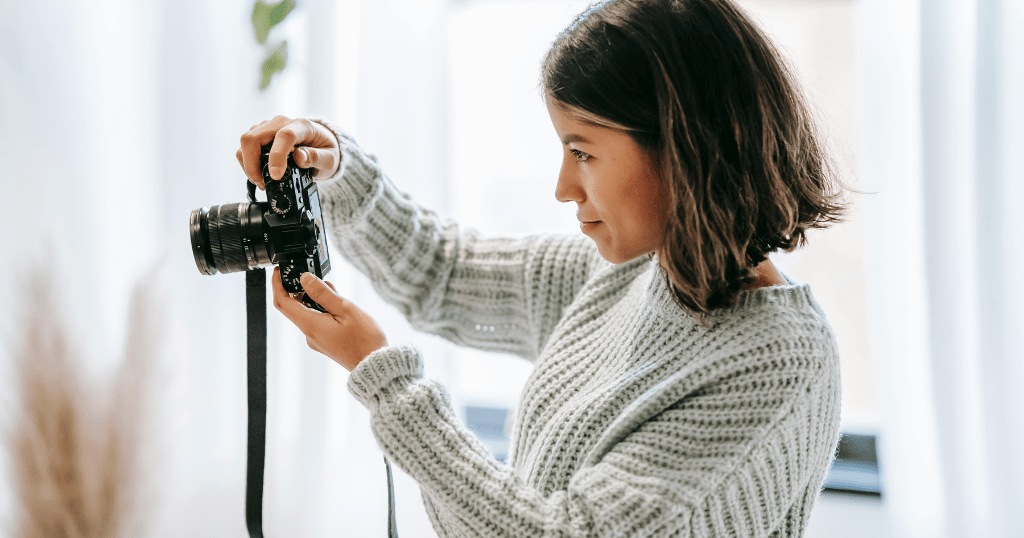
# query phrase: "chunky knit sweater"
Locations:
[[636, 420]]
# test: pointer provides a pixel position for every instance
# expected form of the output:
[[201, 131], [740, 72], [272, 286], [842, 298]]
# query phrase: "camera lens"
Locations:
[[198, 226], [228, 238]]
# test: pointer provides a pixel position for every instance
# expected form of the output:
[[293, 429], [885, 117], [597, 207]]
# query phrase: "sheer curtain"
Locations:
[[117, 118], [943, 146]]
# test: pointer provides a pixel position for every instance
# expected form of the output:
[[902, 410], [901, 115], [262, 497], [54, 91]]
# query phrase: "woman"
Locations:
[[682, 386]]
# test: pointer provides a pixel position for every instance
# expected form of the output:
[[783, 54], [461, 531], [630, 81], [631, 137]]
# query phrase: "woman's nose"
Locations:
[[568, 187]]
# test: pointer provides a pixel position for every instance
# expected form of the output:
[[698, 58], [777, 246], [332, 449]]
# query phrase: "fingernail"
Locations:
[[304, 156], [306, 278]]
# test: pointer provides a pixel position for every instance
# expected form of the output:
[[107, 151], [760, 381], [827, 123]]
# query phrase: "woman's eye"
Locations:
[[580, 156]]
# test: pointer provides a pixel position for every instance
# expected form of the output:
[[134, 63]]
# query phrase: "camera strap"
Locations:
[[256, 349]]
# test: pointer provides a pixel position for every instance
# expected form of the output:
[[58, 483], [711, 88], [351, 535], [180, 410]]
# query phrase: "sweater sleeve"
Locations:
[[739, 455], [501, 295]]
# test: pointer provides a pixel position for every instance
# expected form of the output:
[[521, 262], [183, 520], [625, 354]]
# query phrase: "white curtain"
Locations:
[[117, 118], [941, 83]]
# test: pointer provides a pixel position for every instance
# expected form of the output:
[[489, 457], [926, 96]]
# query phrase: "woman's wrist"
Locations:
[[383, 369], [357, 181]]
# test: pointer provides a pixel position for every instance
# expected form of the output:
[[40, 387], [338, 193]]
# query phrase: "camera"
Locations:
[[286, 230]]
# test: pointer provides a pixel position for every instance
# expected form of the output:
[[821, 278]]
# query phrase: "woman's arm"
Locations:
[[496, 294], [742, 453]]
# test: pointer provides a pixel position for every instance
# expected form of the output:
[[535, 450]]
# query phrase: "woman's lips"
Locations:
[[588, 226]]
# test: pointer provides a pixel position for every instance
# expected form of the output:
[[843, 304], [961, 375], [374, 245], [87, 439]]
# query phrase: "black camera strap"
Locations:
[[256, 348]]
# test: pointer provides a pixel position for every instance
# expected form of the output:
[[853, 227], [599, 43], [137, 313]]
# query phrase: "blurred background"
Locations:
[[117, 118]]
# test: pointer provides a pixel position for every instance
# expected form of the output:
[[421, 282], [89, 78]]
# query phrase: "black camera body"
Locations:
[[293, 225], [286, 230]]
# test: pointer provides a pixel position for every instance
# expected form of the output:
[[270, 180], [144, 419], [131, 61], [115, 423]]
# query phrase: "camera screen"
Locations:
[[314, 202]]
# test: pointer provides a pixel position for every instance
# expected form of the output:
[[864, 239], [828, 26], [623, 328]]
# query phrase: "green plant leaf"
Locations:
[[273, 64], [266, 16]]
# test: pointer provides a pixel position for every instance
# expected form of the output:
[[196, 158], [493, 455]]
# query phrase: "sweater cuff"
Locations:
[[349, 194], [387, 366]]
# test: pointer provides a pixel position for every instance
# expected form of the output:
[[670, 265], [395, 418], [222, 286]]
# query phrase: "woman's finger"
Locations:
[[304, 318], [295, 133], [325, 296], [252, 142]]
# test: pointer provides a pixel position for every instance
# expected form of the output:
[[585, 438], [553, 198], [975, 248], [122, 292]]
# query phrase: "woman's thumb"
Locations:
[[323, 161], [318, 290], [302, 157]]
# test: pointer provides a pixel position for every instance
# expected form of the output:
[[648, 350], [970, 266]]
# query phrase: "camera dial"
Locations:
[[290, 275], [280, 204]]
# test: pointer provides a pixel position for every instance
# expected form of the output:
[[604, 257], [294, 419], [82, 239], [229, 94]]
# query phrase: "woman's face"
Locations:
[[621, 202]]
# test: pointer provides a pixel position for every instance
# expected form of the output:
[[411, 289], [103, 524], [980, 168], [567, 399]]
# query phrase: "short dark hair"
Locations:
[[698, 83]]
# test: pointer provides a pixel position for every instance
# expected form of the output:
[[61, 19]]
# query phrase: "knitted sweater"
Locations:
[[636, 420]]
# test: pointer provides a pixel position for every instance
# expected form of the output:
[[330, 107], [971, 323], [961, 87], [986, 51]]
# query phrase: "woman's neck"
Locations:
[[766, 275]]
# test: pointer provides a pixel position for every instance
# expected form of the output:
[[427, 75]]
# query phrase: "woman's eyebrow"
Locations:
[[570, 138]]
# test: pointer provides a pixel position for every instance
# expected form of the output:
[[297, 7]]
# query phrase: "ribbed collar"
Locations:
[[794, 295]]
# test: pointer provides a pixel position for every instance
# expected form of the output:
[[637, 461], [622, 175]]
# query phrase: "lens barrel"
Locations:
[[228, 238]]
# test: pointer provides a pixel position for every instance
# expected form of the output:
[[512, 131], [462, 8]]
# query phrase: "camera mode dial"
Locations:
[[280, 204], [290, 275]]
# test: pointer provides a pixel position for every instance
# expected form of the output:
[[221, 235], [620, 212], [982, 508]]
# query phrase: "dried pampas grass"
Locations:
[[77, 447]]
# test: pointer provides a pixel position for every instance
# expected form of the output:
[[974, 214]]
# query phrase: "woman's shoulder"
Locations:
[[778, 321], [761, 322]]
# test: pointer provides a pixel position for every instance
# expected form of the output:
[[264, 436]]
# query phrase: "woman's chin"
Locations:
[[612, 255]]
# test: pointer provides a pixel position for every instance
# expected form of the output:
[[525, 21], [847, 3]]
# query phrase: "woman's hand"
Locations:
[[345, 334], [312, 146]]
